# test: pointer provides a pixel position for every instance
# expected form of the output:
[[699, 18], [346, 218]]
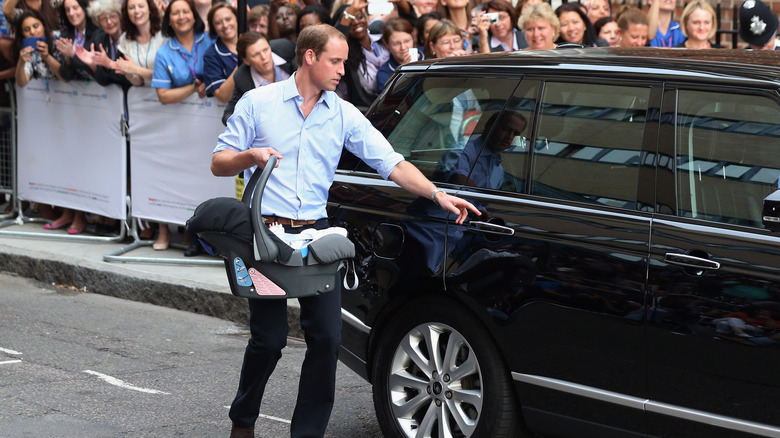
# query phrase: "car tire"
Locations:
[[463, 390]]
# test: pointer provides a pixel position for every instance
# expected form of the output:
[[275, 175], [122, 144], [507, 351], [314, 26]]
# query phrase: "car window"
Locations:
[[728, 155], [494, 155], [588, 143], [437, 116]]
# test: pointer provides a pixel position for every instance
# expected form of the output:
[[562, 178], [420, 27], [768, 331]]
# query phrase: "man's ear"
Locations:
[[309, 57]]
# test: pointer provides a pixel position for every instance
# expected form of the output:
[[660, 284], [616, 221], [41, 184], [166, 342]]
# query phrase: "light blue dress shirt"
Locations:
[[488, 171], [271, 116], [174, 65]]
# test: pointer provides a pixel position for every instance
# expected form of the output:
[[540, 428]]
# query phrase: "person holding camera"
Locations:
[[32, 41], [397, 37], [365, 56], [497, 27]]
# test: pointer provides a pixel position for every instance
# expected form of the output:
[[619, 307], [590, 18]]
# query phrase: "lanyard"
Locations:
[[138, 53], [78, 41], [192, 67], [667, 42]]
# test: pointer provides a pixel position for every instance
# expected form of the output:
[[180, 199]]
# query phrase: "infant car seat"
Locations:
[[260, 264]]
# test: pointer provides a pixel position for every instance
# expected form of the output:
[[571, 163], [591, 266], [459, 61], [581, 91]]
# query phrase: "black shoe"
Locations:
[[108, 230], [194, 249], [242, 432]]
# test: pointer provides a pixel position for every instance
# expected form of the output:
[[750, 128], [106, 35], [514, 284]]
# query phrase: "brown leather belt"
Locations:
[[295, 223]]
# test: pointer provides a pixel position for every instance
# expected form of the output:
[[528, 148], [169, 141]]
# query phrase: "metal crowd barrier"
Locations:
[[10, 151], [11, 160], [7, 150]]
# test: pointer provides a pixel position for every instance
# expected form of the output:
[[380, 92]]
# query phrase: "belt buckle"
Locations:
[[293, 225]]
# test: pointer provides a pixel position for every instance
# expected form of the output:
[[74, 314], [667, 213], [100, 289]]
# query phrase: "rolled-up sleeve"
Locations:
[[367, 143], [240, 130]]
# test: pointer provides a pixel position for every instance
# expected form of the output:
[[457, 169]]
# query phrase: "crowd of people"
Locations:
[[186, 47]]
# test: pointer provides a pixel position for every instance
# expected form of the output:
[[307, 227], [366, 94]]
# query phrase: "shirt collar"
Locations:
[[222, 49], [290, 91], [173, 43]]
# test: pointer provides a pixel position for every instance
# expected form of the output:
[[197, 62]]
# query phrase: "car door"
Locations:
[[558, 261], [400, 237], [714, 272]]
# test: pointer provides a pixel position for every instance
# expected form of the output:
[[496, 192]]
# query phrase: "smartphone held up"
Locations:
[[379, 7], [32, 42]]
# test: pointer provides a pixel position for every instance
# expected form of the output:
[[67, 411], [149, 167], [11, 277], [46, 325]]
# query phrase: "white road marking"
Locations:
[[271, 417], [116, 382], [10, 361], [5, 350], [281, 420]]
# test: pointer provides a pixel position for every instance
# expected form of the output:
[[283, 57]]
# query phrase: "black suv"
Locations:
[[620, 281]]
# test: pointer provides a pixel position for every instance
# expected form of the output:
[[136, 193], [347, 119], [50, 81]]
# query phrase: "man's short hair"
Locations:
[[315, 38], [257, 13], [246, 40]]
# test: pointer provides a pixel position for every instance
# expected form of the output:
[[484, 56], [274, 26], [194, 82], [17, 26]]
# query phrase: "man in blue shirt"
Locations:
[[303, 123]]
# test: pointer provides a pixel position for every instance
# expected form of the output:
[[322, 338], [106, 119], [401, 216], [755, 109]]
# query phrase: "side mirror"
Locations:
[[770, 215]]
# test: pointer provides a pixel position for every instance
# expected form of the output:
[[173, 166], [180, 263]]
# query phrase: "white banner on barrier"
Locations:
[[170, 155], [71, 151]]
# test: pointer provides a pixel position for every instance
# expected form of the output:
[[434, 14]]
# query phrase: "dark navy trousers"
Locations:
[[321, 323]]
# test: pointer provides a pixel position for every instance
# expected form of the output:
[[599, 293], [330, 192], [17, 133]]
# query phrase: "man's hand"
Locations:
[[260, 156], [229, 162], [457, 206]]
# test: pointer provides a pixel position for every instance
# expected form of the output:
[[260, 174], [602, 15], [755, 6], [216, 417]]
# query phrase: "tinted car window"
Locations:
[[592, 132], [438, 116], [727, 155], [495, 153]]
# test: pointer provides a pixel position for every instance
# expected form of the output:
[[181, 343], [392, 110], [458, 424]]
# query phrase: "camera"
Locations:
[[32, 42], [414, 54], [492, 16], [379, 7]]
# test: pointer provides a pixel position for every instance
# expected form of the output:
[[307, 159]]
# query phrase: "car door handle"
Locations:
[[690, 261], [487, 227]]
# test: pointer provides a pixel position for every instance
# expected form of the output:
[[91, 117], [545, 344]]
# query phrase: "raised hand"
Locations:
[[123, 65], [65, 46], [43, 49], [86, 56], [101, 58]]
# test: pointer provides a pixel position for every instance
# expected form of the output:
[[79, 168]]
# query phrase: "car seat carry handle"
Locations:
[[265, 248]]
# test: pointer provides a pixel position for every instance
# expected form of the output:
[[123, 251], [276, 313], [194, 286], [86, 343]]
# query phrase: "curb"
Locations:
[[181, 297]]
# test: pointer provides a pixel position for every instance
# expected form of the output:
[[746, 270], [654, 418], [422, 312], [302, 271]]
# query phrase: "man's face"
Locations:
[[258, 55], [508, 128], [326, 72]]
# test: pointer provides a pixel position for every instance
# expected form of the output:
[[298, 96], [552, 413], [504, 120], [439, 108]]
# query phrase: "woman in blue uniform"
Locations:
[[178, 67]]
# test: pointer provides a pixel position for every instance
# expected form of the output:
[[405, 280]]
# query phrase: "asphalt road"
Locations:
[[76, 364]]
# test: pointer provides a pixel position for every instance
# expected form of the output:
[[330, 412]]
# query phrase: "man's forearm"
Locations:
[[411, 179]]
